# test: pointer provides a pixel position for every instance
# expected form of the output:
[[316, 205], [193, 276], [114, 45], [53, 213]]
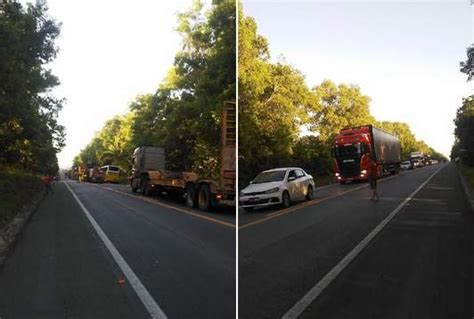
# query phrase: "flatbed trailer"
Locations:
[[150, 176]]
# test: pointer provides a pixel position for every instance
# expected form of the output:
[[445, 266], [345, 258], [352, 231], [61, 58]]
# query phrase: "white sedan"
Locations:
[[277, 186]]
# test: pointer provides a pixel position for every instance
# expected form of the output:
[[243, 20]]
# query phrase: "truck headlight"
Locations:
[[272, 190]]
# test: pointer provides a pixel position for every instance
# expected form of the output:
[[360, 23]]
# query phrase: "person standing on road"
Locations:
[[372, 175], [47, 181]]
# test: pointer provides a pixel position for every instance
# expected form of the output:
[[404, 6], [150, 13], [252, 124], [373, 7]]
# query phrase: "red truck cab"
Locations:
[[350, 161], [350, 151]]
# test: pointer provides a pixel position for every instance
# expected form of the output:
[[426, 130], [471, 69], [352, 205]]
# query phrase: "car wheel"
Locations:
[[286, 200], [310, 194]]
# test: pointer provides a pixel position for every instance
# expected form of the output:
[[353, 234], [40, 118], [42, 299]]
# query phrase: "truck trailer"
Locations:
[[353, 144], [150, 176]]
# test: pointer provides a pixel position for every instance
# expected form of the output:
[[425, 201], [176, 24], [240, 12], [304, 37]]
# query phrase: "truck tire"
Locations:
[[204, 198], [132, 185], [145, 188], [191, 196]]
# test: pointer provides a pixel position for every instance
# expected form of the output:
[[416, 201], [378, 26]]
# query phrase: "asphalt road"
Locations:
[[332, 257], [183, 260]]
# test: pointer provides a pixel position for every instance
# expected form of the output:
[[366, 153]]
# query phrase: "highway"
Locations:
[[409, 255], [100, 251]]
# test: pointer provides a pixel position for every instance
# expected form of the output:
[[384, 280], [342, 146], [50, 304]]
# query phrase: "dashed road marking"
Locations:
[[317, 289]]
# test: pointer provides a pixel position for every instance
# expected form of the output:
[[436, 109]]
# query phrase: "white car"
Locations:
[[277, 186], [406, 165]]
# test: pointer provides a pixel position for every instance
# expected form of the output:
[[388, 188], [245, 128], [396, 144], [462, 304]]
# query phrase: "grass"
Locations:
[[17, 188], [468, 172], [324, 180]]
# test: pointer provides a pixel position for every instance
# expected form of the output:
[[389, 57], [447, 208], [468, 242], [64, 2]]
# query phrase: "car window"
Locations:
[[292, 174], [267, 177], [299, 173]]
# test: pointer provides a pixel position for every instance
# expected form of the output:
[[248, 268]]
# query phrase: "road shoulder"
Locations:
[[468, 191]]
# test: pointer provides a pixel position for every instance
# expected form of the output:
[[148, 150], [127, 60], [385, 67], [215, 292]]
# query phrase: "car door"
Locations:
[[291, 184], [302, 183]]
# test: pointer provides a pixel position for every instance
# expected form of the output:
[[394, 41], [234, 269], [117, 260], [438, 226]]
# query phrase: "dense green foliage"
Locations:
[[282, 122], [183, 115], [17, 187], [464, 132], [30, 136]]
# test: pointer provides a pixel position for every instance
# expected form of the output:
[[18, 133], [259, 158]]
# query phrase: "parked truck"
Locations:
[[353, 144], [96, 175], [150, 176]]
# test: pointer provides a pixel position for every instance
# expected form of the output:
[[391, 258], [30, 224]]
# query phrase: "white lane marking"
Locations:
[[153, 309], [314, 292]]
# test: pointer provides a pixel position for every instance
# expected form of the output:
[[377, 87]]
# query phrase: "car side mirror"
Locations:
[[291, 178]]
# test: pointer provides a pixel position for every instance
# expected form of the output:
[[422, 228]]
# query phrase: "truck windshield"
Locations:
[[268, 177], [347, 150]]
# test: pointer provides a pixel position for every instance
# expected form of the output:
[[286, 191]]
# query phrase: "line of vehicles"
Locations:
[[94, 174], [350, 151], [149, 175]]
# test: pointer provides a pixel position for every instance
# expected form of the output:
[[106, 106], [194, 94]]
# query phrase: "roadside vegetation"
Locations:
[[30, 136], [183, 115], [463, 148], [284, 122], [17, 187]]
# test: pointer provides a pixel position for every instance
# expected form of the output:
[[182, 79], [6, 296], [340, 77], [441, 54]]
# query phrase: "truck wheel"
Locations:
[[204, 198], [310, 194], [132, 185], [145, 188], [286, 200], [191, 196]]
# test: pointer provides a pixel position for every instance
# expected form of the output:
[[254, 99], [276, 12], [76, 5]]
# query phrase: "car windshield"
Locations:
[[268, 177], [347, 150], [406, 162], [113, 168]]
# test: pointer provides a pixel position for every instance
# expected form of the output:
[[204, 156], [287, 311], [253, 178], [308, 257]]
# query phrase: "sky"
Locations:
[[404, 55], [110, 51]]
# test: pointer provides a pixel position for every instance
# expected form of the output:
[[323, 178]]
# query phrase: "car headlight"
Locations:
[[337, 174], [272, 190], [364, 171]]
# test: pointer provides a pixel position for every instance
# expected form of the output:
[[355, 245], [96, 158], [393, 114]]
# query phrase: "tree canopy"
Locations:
[[284, 123], [30, 135], [183, 115], [464, 132]]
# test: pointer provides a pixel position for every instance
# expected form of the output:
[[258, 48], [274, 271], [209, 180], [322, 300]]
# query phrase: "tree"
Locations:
[[183, 115], [464, 130], [30, 134], [338, 107], [467, 66], [273, 98]]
